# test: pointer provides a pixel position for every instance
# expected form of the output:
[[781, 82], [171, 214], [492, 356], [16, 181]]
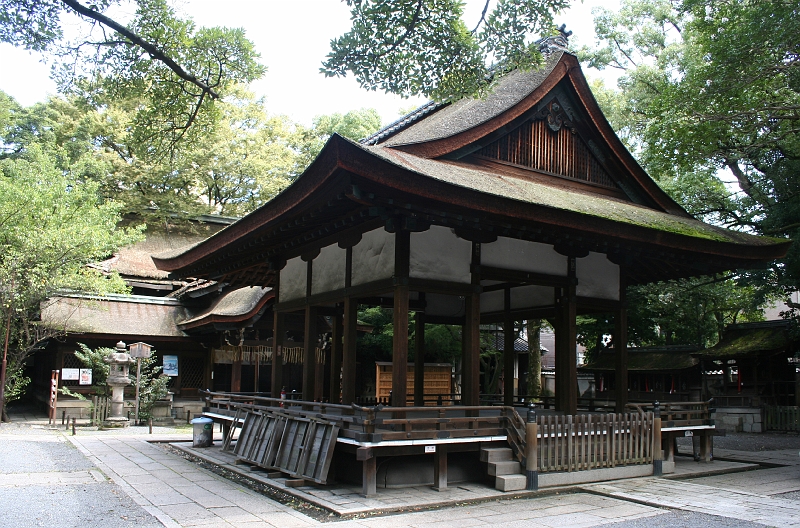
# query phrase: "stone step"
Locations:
[[496, 454], [510, 482], [504, 467]]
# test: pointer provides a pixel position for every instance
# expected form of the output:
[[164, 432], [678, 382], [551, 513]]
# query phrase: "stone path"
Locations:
[[172, 492]]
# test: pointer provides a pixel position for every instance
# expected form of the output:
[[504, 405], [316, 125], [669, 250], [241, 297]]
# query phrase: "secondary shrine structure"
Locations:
[[521, 205]]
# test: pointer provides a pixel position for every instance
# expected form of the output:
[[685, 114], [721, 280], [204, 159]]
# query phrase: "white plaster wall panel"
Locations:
[[598, 277], [373, 257], [532, 297], [493, 301], [328, 269], [438, 254], [294, 277], [444, 305], [521, 255]]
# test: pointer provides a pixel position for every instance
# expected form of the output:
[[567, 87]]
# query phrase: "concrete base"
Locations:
[[547, 480], [115, 423]]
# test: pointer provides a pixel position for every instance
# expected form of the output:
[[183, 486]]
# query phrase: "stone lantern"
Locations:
[[119, 362]]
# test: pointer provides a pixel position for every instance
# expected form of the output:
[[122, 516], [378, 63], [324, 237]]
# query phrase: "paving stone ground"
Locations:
[[122, 479]]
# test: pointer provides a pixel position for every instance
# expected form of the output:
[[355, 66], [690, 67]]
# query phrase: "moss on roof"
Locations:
[[545, 195], [660, 359], [746, 341]]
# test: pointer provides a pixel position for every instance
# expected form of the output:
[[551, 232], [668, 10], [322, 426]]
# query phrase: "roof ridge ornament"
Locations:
[[559, 42]]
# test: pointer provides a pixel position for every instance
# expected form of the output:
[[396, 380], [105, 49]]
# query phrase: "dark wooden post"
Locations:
[[236, 375], [658, 452], [336, 360], [566, 335], [349, 334], [279, 329], [310, 340], [400, 319], [419, 358], [509, 354], [531, 450], [349, 351], [440, 468], [471, 353], [621, 351]]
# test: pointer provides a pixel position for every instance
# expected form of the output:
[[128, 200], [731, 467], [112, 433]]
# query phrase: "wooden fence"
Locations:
[[779, 418], [101, 408], [589, 441]]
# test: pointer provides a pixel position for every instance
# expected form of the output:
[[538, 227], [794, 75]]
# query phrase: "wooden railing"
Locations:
[[778, 418], [563, 442], [589, 441]]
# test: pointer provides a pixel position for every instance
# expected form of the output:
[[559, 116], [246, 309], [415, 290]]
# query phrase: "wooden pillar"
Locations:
[[236, 375], [509, 354], [335, 394], [310, 340], [349, 335], [621, 353], [470, 369], [440, 468], [402, 251], [349, 351], [279, 329], [419, 359], [566, 335]]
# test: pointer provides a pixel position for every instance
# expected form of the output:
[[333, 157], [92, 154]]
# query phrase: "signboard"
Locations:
[[430, 449], [70, 374], [85, 377], [140, 350], [171, 365]]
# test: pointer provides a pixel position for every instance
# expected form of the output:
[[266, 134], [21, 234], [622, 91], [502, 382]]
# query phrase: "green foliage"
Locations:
[[708, 101], [685, 312], [51, 226], [413, 47], [354, 125], [152, 386], [173, 70]]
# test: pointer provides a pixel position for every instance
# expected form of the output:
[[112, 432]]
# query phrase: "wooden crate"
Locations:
[[437, 381]]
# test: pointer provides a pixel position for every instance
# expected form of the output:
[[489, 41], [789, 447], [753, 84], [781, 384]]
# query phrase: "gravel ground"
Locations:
[[31, 449], [751, 441], [686, 519]]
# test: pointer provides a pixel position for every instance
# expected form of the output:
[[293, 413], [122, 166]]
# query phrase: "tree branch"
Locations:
[[150, 48]]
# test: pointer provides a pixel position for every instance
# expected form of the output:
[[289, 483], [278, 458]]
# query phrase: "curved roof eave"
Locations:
[[486, 193]]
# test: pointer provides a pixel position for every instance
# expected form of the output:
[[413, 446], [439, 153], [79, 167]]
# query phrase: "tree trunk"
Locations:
[[535, 357]]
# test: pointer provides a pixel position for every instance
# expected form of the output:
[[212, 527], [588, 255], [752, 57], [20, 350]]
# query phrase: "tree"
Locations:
[[712, 92], [174, 70], [51, 226], [355, 125], [413, 47]]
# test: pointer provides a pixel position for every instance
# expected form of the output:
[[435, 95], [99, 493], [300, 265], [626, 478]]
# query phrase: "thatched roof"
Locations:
[[752, 339], [668, 358]]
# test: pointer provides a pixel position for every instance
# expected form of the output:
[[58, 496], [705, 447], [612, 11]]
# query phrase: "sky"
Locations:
[[293, 38]]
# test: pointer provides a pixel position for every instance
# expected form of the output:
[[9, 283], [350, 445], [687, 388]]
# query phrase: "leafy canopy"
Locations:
[[413, 47], [172, 69]]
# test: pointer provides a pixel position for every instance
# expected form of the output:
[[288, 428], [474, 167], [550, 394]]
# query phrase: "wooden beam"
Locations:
[[349, 334], [470, 365], [516, 276]]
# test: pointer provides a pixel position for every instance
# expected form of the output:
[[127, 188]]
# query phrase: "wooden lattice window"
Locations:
[[71, 361], [547, 143], [192, 373]]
